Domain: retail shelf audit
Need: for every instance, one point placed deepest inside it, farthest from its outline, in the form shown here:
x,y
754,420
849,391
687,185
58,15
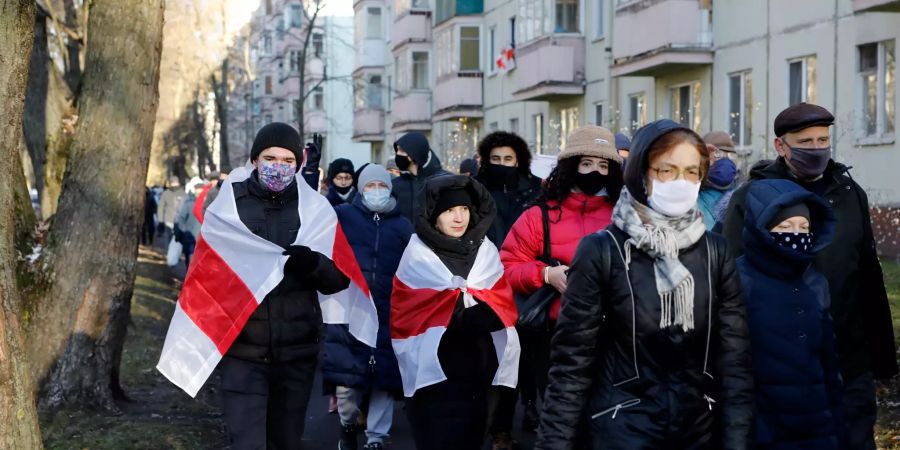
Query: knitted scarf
x,y
662,237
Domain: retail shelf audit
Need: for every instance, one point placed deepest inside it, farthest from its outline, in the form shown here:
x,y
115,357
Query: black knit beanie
x,y
799,209
448,199
278,134
340,165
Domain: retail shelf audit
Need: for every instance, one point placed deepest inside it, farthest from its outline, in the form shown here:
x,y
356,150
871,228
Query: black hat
x,y
469,166
800,116
795,210
450,198
341,165
277,134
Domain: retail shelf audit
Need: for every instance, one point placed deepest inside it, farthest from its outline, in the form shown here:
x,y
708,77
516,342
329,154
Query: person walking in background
x,y
577,200
652,345
187,224
452,317
623,145
391,166
468,167
859,303
361,374
722,180
418,163
167,211
149,227
796,373
340,182
506,174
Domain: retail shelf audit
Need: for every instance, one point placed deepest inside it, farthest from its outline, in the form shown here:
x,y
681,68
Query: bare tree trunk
x,y
221,90
35,123
80,318
18,415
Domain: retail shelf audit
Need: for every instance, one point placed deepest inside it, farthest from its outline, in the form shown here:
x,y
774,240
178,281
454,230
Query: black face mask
x,y
590,183
402,162
342,190
497,175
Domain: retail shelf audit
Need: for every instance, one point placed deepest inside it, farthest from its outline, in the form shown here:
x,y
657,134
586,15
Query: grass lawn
x,y
888,429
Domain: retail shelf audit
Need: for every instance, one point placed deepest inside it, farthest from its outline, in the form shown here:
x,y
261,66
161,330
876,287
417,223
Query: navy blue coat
x,y
378,241
797,380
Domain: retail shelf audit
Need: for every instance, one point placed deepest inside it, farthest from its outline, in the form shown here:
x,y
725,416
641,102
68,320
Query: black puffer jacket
x,y
637,385
407,187
511,195
288,323
859,304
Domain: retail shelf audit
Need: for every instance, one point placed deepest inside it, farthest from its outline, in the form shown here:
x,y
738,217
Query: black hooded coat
x,y
407,187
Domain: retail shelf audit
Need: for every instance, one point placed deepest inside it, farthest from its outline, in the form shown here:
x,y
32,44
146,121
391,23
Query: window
x,y
419,4
598,114
492,49
637,112
599,15
269,119
685,105
373,92
470,49
877,66
512,32
568,121
493,126
400,73
514,126
257,107
318,102
390,94
740,107
268,85
267,44
538,136
373,23
296,15
802,80
318,45
419,70
443,46
566,16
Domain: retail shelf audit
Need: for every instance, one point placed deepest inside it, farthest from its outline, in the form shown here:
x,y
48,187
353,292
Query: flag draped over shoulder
x,y
422,303
233,270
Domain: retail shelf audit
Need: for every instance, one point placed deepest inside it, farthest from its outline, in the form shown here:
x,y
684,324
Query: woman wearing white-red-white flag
x,y
271,265
452,316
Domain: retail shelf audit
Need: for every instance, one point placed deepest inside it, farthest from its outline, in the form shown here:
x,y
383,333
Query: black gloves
x,y
302,260
313,155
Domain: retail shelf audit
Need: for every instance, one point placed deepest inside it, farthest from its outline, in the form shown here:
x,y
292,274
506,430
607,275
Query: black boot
x,y
531,419
348,438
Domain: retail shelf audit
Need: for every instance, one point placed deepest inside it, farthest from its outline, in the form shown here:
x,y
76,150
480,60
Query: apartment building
x,y
265,73
464,68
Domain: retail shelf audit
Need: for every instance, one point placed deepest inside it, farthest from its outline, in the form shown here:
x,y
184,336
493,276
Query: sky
x,y
240,11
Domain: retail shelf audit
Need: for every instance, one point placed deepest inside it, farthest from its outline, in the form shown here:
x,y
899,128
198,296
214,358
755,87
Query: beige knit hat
x,y
591,140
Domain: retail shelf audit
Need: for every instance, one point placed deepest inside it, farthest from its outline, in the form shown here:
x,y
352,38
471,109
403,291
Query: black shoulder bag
x,y
534,309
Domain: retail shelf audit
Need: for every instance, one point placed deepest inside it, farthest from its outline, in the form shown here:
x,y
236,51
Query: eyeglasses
x,y
667,173
720,154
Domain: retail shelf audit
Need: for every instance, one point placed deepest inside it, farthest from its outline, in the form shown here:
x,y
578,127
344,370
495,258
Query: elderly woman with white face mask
x,y
652,344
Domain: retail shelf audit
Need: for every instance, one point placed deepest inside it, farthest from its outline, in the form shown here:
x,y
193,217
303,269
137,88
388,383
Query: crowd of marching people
x,y
645,295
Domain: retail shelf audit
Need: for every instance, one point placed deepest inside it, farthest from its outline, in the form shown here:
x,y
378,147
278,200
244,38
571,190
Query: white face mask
x,y
377,200
674,198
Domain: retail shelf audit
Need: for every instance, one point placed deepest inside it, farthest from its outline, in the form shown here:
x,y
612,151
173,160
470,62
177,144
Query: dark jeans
x,y
265,403
188,242
859,399
450,415
147,231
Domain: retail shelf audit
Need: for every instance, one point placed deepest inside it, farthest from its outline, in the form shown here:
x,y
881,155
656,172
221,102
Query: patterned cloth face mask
x,y
275,176
801,242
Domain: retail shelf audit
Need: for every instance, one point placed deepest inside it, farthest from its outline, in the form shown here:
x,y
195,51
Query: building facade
x,y
264,69
459,69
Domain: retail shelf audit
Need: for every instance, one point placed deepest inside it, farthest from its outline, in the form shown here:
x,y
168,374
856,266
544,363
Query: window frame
x,y
637,113
369,22
537,133
599,18
882,135
804,72
411,70
457,53
744,136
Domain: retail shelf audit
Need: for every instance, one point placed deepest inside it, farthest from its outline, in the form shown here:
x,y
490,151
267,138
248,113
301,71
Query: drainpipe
x,y
835,75
613,81
768,77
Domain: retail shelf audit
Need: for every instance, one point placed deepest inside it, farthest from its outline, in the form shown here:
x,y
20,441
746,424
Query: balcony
x,y
550,67
876,6
458,95
370,53
368,125
412,111
681,38
316,121
448,9
415,26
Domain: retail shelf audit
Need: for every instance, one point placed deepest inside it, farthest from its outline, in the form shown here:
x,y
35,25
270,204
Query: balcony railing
x,y
550,66
412,111
458,95
368,125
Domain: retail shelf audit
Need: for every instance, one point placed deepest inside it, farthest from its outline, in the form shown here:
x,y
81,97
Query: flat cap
x,y
800,116
721,140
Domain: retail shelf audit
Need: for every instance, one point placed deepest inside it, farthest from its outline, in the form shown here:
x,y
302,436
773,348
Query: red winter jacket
x,y
579,216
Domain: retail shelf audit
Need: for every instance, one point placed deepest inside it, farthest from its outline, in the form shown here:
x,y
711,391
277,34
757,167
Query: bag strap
x,y
545,221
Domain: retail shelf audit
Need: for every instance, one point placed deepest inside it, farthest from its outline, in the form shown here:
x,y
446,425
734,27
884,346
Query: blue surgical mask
x,y
377,200
722,173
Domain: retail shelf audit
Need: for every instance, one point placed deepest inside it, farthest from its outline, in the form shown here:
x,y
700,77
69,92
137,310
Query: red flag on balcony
x,y
506,61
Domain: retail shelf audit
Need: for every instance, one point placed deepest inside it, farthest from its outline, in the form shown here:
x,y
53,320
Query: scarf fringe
x,y
677,306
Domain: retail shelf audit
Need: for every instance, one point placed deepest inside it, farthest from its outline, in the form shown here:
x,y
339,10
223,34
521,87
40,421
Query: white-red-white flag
x,y
422,303
233,270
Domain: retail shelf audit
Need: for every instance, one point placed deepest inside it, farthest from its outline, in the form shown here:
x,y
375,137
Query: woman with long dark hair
x,y
578,200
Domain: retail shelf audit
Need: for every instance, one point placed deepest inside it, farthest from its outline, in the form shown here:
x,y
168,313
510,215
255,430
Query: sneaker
x,y
373,446
531,419
503,441
348,438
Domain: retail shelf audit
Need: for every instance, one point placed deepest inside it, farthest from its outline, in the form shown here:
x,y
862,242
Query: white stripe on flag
x,y
188,356
418,349
506,343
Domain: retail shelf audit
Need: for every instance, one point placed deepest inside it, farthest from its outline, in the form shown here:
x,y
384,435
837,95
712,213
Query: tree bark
x,y
75,338
18,415
221,90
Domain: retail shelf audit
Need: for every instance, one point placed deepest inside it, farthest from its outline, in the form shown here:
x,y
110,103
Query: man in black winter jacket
x,y
859,305
267,374
418,163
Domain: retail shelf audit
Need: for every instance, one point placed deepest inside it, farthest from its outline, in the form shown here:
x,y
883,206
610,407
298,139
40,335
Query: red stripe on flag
x,y
413,311
198,204
215,298
345,260
500,299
